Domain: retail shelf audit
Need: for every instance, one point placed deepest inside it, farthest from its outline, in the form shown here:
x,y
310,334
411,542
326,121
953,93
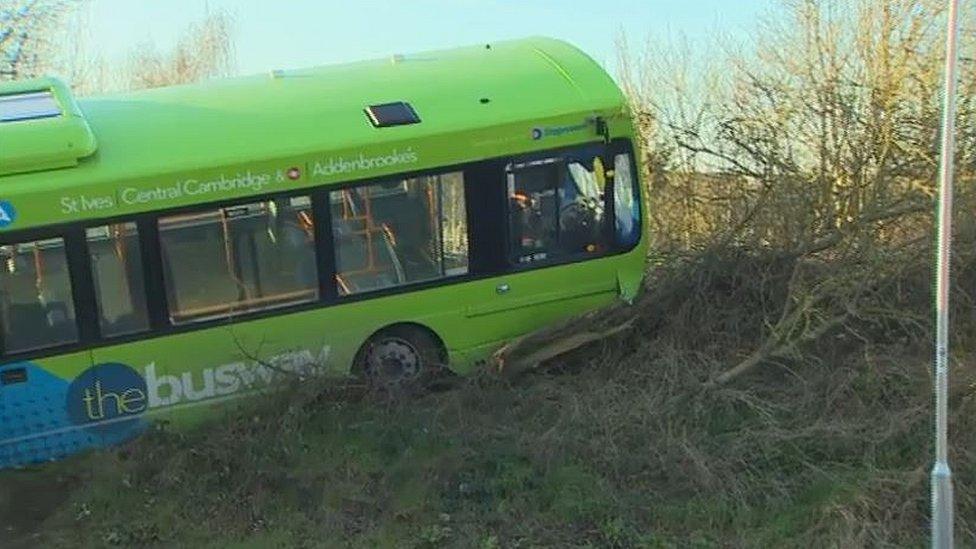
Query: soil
x,y
27,498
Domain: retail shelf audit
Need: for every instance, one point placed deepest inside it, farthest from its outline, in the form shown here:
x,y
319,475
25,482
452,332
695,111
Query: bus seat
x,y
28,328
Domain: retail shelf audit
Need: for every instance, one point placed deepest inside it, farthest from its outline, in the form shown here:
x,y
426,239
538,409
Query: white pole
x,y
941,474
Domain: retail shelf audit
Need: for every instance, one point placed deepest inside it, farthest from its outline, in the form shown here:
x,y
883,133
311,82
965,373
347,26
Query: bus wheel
x,y
400,357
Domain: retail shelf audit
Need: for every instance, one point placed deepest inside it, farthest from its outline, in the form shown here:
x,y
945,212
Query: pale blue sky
x,y
273,34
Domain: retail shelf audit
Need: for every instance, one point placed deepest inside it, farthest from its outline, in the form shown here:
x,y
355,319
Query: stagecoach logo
x,y
337,165
8,214
108,396
556,131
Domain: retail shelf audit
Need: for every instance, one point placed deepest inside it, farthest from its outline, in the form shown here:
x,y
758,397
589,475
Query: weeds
x,y
773,391
619,445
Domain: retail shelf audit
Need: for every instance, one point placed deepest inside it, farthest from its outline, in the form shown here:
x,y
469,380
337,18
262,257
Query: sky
x,y
283,34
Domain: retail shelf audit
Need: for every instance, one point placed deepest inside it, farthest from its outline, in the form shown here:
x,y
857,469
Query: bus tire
x,y
400,357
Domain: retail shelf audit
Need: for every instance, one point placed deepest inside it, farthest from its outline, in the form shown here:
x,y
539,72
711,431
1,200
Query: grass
x,y
619,445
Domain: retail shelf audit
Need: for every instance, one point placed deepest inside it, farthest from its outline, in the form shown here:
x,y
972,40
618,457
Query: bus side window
x,y
556,209
399,232
533,205
255,257
36,304
117,273
626,202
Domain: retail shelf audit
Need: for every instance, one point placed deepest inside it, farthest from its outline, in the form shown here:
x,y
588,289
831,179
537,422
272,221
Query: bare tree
x,y
828,126
34,34
26,30
817,143
205,50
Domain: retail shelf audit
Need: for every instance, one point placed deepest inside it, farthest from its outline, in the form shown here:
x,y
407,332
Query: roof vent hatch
x,y
384,115
41,127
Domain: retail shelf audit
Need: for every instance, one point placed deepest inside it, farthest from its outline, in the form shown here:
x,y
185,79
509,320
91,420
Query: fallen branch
x,y
775,348
528,352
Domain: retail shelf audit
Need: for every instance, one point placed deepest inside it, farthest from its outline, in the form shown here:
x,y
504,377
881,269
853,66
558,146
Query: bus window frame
x,y
608,151
614,148
465,170
82,288
488,258
162,312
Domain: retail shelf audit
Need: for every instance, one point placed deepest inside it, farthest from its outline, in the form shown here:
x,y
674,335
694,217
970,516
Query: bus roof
x,y
155,135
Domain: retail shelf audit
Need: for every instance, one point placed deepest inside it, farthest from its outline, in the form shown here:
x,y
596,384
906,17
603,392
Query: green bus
x,y
163,251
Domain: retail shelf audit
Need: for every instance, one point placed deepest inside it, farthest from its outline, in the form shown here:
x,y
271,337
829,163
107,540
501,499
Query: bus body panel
x,y
82,400
167,150
35,423
156,146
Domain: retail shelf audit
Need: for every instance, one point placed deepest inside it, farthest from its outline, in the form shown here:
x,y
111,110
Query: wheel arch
x,y
357,362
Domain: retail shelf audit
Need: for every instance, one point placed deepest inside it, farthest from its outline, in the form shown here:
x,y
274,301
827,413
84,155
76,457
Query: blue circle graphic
x,y
106,398
536,133
8,214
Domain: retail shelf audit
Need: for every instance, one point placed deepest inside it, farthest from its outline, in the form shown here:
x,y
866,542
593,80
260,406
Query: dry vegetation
x,y
819,149
773,390
41,37
27,42
205,50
